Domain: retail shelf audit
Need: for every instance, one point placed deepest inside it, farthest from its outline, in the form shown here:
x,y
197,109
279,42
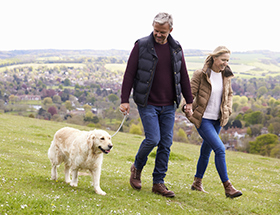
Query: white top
x,y
212,110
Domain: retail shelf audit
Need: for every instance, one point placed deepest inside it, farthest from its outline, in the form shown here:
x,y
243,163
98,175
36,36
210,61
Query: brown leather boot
x,y
197,185
161,189
135,178
230,191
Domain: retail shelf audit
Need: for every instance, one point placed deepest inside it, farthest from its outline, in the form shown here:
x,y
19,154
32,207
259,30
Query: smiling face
x,y
100,140
161,32
220,62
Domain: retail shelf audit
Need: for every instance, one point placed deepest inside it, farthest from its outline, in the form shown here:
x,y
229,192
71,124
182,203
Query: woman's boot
x,y
230,191
197,185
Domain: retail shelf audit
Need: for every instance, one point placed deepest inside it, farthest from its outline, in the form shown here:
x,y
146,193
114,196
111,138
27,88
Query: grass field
x,y
26,188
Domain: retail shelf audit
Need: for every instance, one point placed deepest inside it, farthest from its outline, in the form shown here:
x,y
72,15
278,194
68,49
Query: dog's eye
x,y
102,138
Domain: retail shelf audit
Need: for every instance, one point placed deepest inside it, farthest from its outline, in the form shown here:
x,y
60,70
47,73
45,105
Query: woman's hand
x,y
187,109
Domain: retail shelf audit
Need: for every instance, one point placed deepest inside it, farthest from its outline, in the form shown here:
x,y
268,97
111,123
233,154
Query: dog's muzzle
x,y
106,151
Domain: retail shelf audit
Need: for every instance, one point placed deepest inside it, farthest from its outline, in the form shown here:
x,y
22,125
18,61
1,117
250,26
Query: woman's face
x,y
221,62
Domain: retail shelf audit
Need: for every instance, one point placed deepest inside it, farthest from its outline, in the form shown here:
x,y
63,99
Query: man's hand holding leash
x,y
125,108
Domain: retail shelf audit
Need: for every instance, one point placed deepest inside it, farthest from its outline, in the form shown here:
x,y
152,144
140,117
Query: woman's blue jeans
x,y
209,131
158,122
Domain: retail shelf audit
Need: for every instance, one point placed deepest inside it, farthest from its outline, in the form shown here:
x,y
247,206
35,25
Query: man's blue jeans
x,y
158,122
209,131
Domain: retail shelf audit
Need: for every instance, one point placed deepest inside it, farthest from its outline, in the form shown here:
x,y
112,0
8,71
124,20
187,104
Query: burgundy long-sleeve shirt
x,y
163,89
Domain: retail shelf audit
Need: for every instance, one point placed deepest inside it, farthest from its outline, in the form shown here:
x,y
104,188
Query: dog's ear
x,y
90,139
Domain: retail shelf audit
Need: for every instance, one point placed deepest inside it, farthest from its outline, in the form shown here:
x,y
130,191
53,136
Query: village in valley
x,y
84,88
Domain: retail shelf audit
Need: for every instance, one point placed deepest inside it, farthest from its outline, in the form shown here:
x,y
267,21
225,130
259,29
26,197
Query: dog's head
x,y
99,140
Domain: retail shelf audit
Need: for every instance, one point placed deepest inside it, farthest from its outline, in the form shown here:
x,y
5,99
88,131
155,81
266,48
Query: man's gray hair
x,y
163,18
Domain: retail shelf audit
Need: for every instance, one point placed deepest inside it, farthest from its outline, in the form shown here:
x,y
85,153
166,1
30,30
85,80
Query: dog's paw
x,y
100,192
73,184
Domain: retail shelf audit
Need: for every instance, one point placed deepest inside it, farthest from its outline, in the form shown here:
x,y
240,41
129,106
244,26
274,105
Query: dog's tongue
x,y
107,151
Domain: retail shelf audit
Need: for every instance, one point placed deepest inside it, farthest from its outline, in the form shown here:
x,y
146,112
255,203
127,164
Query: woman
x,y
212,105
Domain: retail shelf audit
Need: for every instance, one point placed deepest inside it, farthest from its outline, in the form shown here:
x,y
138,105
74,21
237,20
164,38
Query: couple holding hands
x,y
156,71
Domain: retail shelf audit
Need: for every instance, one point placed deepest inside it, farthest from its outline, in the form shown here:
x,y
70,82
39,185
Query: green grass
x,y
26,188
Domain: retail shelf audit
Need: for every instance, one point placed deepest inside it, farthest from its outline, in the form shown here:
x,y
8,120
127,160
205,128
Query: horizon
x,y
112,49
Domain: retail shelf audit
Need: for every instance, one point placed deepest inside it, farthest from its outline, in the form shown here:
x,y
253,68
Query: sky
x,y
241,25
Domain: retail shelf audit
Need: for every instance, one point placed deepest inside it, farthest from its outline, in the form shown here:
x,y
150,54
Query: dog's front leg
x,y
95,174
74,181
54,172
67,173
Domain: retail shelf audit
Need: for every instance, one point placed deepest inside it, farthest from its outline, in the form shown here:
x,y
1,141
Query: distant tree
x,y
243,100
249,131
225,137
51,93
235,106
256,129
275,152
44,93
276,91
274,128
135,129
264,144
236,123
87,108
251,89
56,99
41,111
262,90
239,117
270,128
95,119
68,105
67,82
90,99
78,93
64,95
98,91
52,110
182,136
88,116
82,99
113,97
253,118
271,101
13,98
47,101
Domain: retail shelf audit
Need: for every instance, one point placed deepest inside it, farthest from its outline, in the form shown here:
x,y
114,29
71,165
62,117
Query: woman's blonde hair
x,y
216,53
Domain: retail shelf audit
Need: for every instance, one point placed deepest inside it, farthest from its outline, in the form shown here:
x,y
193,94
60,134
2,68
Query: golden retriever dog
x,y
79,150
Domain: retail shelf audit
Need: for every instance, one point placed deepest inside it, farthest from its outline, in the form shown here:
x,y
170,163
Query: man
x,y
156,70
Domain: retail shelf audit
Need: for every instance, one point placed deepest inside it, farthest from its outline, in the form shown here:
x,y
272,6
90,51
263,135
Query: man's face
x,y
161,32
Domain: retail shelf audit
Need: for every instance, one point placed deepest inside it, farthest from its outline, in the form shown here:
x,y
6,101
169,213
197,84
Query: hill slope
x,y
26,187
